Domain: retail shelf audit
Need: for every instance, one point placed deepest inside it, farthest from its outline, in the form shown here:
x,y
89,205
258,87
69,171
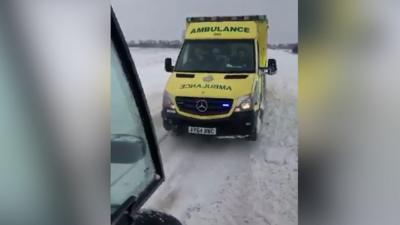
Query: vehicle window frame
x,y
118,40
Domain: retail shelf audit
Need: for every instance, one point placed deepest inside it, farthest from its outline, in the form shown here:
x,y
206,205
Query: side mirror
x,y
168,65
263,70
272,68
126,149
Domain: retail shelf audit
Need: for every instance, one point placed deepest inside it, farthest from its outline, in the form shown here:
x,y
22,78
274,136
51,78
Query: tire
x,y
149,217
256,128
166,125
177,131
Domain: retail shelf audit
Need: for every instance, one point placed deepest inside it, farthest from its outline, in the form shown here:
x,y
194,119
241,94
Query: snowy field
x,y
228,182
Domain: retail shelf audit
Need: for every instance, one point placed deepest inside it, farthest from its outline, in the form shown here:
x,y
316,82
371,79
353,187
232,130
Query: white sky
x,y
165,19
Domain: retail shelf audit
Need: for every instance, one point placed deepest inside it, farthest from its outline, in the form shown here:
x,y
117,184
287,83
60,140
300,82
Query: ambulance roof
x,y
226,27
227,18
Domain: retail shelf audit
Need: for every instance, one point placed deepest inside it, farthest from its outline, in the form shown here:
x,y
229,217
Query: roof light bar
x,y
227,18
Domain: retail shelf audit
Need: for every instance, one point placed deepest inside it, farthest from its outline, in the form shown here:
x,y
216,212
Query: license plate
x,y
202,130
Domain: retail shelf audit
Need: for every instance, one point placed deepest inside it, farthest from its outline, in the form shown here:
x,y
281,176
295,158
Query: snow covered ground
x,y
228,182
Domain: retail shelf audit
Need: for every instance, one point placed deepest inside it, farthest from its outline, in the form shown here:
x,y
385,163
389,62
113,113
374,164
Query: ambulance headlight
x,y
168,101
244,103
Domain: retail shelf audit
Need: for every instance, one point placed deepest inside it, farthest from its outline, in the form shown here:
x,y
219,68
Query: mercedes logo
x,y
201,106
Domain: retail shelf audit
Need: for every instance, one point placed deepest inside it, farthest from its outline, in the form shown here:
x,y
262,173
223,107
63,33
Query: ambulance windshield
x,y
218,56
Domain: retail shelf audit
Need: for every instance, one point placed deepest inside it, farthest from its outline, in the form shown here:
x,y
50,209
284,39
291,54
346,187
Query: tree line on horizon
x,y
178,44
156,43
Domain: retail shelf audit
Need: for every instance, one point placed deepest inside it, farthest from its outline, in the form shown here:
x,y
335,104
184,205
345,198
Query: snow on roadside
x,y
149,64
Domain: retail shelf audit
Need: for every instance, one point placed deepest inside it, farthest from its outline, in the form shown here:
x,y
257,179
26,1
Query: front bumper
x,y
238,124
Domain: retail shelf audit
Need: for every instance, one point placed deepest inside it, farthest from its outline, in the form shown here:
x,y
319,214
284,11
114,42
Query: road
x,y
224,181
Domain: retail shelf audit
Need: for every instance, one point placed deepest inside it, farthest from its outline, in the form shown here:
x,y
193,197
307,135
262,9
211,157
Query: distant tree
x,y
295,49
132,44
156,43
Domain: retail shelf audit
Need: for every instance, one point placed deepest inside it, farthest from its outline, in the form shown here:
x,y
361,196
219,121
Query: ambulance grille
x,y
181,75
234,77
195,106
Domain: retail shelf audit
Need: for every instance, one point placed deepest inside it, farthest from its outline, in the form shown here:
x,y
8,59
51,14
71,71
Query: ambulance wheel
x,y
167,126
256,128
177,132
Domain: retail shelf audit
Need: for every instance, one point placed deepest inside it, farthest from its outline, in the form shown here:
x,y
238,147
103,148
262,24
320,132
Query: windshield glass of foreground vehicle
x,y
220,56
132,168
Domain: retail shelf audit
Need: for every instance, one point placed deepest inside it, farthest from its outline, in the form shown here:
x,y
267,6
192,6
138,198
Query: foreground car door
x,y
136,169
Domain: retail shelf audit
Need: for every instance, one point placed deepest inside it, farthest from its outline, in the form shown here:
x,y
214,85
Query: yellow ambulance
x,y
217,85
